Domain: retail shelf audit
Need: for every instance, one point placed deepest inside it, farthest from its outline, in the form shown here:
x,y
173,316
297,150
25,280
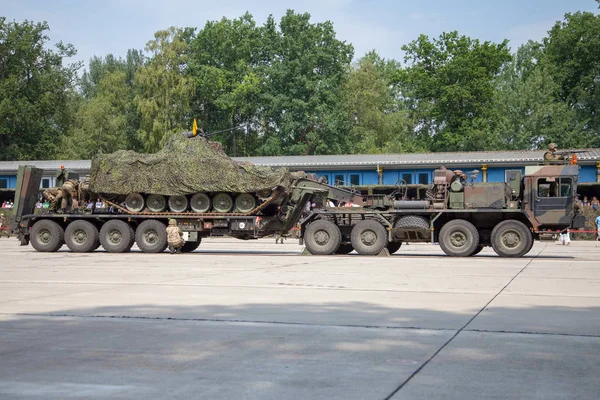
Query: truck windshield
x,y
548,187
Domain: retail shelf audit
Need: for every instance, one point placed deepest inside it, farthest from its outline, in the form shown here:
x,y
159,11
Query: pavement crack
x,y
232,321
422,366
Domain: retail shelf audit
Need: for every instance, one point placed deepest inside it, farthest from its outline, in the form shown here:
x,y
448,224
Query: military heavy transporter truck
x,y
462,216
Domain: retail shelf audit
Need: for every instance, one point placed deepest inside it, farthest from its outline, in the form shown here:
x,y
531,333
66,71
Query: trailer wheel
x,y
511,238
188,247
322,237
345,248
116,236
82,236
151,236
369,237
393,247
47,236
459,238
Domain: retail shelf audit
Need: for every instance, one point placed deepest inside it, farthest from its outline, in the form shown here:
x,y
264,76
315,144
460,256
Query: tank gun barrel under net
x,y
190,134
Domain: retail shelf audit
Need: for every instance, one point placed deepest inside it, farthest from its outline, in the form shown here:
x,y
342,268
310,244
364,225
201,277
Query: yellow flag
x,y
194,128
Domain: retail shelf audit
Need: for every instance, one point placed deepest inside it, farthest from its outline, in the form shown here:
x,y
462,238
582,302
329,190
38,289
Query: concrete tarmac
x,y
257,320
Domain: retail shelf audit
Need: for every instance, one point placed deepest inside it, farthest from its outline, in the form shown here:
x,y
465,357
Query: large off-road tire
x,y
82,236
116,236
412,221
511,238
345,248
393,247
151,236
188,247
322,237
369,237
459,238
47,236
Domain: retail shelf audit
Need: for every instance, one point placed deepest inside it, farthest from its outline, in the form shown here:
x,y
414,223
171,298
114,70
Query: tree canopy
x,y
291,86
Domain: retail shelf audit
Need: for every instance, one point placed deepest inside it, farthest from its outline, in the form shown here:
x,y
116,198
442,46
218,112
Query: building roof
x,y
415,159
355,161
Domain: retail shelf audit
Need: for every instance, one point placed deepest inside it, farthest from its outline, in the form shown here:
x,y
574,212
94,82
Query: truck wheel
x,y
511,238
116,236
369,237
322,237
82,236
459,238
47,236
393,247
151,236
188,247
345,248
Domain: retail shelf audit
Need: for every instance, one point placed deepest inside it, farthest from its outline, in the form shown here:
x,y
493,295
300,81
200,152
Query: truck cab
x,y
549,196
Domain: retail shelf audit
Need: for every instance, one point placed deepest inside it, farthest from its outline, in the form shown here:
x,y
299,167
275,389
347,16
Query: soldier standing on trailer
x,y
69,189
174,237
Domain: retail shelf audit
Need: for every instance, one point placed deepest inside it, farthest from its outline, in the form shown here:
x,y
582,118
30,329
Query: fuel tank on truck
x,y
187,174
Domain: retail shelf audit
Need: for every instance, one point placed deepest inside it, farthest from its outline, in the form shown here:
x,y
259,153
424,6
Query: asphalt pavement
x,y
257,320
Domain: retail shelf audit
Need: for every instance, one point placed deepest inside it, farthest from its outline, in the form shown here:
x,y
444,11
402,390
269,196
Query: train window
x,y
3,183
407,178
45,183
338,180
355,179
423,178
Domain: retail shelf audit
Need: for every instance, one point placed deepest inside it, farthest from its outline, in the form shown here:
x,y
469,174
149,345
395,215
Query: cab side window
x,y
547,187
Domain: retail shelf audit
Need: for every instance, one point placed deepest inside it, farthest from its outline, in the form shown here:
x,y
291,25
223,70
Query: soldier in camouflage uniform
x,y
4,224
69,190
83,191
53,195
174,237
551,155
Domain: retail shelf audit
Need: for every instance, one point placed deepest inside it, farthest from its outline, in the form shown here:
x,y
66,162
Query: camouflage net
x,y
183,166
590,224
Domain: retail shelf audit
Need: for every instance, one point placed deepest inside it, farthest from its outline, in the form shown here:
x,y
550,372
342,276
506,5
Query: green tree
x,y
380,124
449,85
223,63
107,118
572,56
304,68
530,115
101,123
36,90
164,90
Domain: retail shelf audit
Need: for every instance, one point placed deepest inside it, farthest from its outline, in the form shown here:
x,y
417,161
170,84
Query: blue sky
x,y
113,26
